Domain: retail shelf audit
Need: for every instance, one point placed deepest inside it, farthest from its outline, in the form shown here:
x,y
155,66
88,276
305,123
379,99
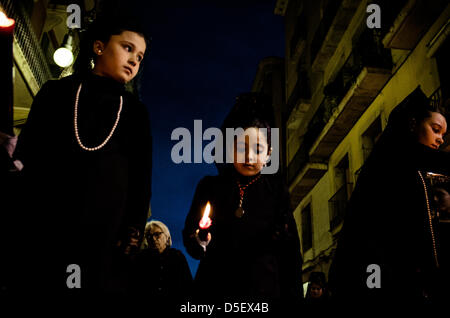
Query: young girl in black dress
x,y
86,151
252,250
388,221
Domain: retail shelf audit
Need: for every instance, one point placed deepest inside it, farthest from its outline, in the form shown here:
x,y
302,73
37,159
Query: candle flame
x,y
5,21
205,222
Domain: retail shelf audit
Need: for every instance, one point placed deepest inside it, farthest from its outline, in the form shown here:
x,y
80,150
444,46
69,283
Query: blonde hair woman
x,y
161,271
157,236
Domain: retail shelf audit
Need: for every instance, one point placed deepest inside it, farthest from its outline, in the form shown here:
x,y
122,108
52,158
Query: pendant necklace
x,y
75,124
240,211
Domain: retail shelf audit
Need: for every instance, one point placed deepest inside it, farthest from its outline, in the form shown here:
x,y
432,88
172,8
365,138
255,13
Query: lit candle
x,y
205,223
6,65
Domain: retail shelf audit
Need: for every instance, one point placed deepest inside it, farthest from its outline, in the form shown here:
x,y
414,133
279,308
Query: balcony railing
x,y
358,82
297,38
436,98
356,85
27,41
324,26
298,162
337,206
301,157
301,90
337,16
411,22
367,52
390,11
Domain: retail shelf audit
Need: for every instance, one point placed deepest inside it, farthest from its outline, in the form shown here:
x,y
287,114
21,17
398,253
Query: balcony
x,y
313,130
412,22
300,98
308,177
28,54
303,174
336,18
436,98
298,40
359,81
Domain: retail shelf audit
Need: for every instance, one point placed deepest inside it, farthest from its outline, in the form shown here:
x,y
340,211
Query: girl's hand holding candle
x,y
202,234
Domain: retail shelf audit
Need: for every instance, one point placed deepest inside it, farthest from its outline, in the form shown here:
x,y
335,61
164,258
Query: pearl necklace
x,y
75,119
430,219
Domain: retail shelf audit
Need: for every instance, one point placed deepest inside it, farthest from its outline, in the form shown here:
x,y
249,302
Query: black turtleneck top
x,y
82,202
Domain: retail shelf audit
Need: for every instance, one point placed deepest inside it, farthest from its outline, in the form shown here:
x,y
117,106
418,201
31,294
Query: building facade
x,y
344,74
41,26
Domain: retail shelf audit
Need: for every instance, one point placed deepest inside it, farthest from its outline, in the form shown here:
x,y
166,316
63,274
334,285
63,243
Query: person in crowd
x,y
86,155
317,292
252,249
442,198
388,247
161,272
441,205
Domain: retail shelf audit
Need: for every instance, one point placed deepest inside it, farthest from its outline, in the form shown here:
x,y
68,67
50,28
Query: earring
x,y
268,159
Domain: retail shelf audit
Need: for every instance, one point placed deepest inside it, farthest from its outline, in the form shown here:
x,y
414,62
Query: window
x,y
443,67
338,202
342,174
370,137
442,95
306,228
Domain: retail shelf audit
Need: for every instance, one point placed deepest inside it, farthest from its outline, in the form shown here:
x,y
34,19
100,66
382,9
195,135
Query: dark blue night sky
x,y
203,54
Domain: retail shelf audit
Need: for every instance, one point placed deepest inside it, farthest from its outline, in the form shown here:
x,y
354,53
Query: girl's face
x,y
251,152
430,132
120,57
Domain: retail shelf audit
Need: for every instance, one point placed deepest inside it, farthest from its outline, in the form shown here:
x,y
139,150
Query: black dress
x,y
162,276
256,256
387,224
79,204
8,188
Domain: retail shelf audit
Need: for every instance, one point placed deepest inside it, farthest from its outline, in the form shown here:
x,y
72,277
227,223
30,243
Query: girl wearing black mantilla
x,y
252,250
86,151
388,227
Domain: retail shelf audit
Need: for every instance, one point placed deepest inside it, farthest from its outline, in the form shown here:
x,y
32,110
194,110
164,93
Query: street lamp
x,y
6,68
5,22
63,56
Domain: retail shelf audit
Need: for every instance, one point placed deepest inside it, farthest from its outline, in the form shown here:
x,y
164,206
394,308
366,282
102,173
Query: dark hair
x,y
251,110
319,279
415,108
102,29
